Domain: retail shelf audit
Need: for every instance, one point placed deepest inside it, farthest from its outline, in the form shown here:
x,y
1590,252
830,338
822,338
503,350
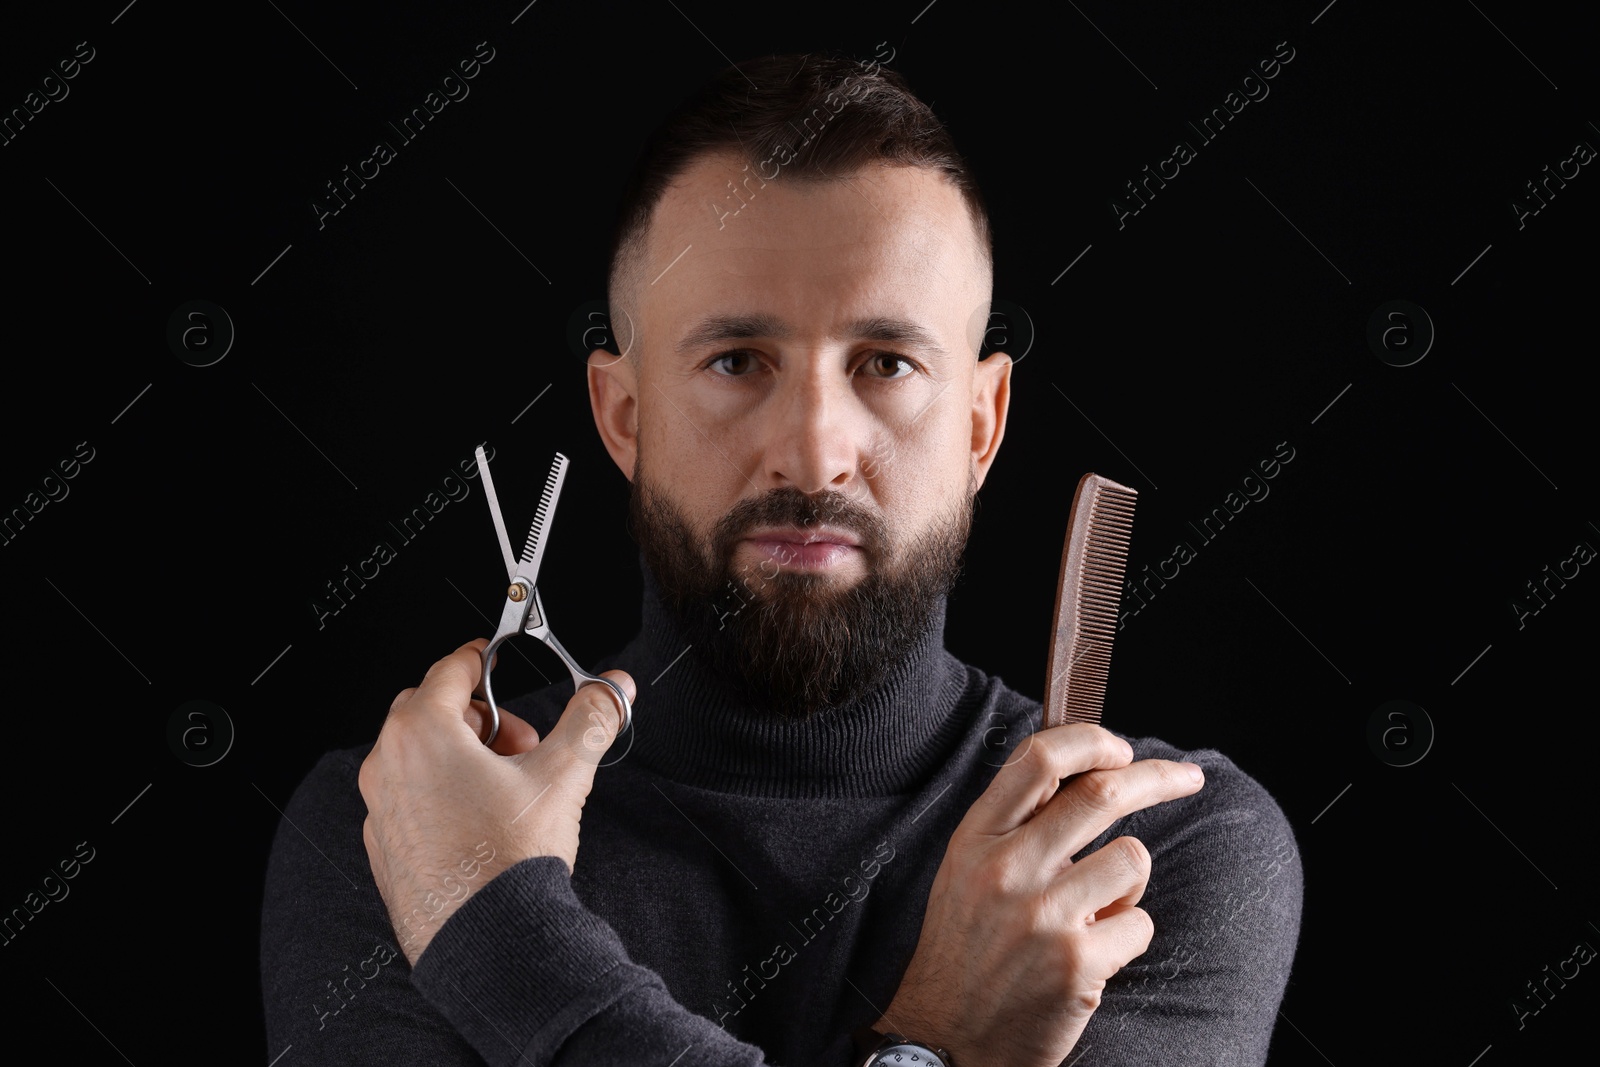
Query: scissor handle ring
x,y
579,680
627,706
488,690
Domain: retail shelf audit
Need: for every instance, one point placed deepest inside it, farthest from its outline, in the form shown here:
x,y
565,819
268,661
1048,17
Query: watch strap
x,y
869,1042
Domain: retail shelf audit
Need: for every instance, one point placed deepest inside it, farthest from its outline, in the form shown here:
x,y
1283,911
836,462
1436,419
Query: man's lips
x,y
795,536
816,547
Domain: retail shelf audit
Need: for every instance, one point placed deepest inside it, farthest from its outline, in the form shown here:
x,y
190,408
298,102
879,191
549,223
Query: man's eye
x,y
894,366
739,363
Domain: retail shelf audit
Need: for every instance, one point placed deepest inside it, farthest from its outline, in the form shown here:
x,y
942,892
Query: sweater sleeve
x,y
1225,895
522,973
335,987
527,974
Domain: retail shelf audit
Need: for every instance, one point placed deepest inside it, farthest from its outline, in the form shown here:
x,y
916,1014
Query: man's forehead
x,y
885,243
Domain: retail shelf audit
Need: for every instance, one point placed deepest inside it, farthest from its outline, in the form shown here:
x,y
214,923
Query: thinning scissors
x,y
523,611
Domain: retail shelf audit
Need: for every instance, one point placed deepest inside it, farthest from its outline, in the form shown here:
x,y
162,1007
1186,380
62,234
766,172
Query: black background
x,y
1178,351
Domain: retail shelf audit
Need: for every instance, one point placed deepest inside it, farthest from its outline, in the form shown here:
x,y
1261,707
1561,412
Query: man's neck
x,y
693,726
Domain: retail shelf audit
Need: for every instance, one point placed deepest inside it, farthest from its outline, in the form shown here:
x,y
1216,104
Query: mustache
x,y
791,507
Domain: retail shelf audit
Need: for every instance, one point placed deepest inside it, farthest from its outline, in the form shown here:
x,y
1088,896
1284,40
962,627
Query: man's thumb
x,y
592,718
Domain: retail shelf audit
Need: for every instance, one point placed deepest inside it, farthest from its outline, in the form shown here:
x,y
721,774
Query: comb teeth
x,y
541,517
1088,599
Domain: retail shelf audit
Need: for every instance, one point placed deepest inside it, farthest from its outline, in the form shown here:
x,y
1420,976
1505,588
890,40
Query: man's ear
x,y
991,400
614,397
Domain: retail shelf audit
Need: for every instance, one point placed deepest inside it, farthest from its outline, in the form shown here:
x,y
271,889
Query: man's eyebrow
x,y
894,331
720,328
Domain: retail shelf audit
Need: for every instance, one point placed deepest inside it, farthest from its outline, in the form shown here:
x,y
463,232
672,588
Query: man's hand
x,y
446,814
1018,941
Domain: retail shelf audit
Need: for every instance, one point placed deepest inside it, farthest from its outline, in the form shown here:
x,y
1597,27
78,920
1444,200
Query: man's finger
x,y
516,734
1116,874
456,674
1120,938
1025,785
1086,806
592,718
446,690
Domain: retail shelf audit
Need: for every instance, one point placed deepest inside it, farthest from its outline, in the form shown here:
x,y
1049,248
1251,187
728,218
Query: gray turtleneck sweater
x,y
749,891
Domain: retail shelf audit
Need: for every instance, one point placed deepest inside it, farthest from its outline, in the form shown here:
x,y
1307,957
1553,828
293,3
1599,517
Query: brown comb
x,y
1088,595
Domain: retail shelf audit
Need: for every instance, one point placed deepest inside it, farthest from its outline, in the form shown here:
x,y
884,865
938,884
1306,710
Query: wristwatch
x,y
878,1049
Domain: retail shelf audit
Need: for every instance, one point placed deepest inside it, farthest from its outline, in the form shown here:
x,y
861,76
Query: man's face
x,y
805,421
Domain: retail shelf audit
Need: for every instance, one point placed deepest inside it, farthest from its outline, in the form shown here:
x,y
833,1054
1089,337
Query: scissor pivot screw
x,y
517,593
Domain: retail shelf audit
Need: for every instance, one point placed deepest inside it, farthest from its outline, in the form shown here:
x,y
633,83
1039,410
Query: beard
x,y
793,643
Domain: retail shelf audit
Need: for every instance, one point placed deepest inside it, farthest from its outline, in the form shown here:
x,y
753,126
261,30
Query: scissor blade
x,y
494,513
533,551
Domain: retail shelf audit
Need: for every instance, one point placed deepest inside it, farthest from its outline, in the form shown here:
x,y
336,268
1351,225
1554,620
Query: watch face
x,y
906,1054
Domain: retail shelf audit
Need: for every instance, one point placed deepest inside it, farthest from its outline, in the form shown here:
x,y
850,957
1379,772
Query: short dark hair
x,y
761,107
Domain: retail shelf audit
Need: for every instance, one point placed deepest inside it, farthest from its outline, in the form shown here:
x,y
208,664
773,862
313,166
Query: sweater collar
x,y
688,725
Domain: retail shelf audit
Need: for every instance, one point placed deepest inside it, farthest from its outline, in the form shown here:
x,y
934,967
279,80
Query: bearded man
x,y
808,847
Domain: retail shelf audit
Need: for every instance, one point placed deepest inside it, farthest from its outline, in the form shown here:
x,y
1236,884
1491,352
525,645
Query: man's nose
x,y
811,437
